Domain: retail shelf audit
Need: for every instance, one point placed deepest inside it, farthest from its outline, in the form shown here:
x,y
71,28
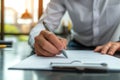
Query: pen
x,y
3,46
47,28
102,64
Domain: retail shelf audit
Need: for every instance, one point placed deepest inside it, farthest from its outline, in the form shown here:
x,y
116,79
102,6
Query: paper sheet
x,y
43,63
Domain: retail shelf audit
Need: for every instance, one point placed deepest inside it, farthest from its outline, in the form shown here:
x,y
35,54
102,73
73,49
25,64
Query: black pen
x,y
47,28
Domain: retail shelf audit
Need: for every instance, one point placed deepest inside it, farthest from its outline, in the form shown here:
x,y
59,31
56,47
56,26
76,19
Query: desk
x,y
8,57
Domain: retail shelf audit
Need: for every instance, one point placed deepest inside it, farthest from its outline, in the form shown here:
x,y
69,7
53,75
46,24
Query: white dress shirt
x,y
94,21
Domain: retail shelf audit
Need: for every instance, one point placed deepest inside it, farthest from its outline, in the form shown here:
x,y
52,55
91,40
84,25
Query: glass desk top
x,y
18,53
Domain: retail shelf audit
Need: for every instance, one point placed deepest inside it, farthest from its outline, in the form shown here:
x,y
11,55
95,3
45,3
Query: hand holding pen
x,y
48,44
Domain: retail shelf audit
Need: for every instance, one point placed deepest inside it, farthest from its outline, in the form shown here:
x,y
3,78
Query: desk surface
x,y
18,53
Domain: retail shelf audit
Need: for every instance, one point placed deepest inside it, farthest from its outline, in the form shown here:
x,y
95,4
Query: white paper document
x,y
75,58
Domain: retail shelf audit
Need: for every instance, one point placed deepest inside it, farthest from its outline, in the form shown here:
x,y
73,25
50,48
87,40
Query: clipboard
x,y
77,60
77,65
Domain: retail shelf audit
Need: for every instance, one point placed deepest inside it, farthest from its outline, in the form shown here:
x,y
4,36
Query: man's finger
x,y
53,39
98,49
113,49
105,49
43,52
44,44
36,50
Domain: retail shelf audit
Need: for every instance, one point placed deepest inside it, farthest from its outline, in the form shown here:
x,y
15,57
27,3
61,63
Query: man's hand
x,y
48,44
109,48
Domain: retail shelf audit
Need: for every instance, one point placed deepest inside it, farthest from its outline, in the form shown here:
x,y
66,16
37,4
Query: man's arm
x,y
51,17
44,42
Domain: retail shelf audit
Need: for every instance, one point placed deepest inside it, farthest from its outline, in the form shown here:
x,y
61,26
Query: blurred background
x,y
18,17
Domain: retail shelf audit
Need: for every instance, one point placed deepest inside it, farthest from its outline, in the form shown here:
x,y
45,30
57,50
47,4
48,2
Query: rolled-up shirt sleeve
x,y
51,17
